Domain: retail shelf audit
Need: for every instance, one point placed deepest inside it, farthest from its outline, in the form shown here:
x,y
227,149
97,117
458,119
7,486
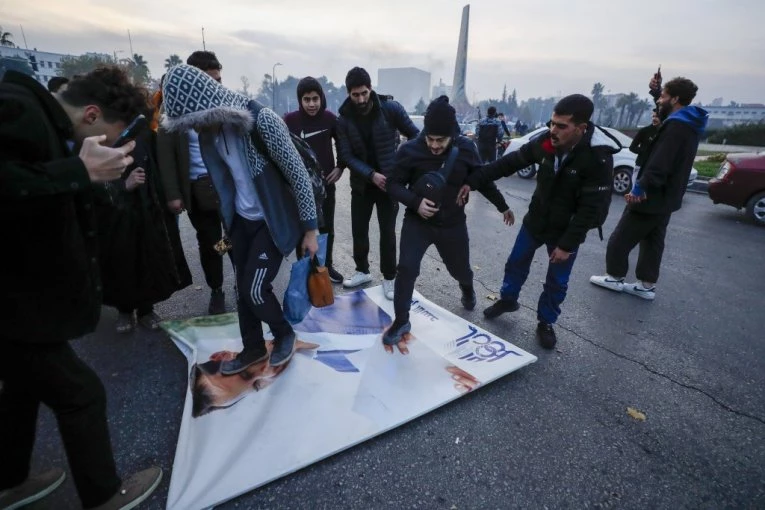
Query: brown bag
x,y
205,196
319,285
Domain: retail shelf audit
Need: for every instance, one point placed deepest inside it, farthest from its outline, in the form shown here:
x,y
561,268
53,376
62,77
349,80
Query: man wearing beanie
x,y
368,134
318,127
488,134
439,146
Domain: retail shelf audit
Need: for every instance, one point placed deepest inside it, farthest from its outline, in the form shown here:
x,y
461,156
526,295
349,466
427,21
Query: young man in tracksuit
x,y
426,222
657,193
318,127
266,199
368,135
488,134
575,169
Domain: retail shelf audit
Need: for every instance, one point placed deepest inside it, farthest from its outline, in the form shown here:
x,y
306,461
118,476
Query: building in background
x,y
442,89
407,85
44,64
734,115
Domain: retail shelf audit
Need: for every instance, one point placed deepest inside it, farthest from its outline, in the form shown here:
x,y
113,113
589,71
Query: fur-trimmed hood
x,y
193,99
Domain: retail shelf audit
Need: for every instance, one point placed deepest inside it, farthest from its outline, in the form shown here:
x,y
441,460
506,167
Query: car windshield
x,y
625,140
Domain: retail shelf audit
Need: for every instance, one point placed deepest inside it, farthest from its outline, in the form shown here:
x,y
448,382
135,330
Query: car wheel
x,y
622,180
755,208
527,173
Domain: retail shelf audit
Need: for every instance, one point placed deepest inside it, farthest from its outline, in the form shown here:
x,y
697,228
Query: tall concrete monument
x,y
458,97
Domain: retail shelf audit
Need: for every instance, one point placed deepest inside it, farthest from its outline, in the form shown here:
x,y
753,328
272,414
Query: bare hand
x,y
105,163
427,208
136,178
508,217
557,256
464,382
379,180
176,206
655,83
463,195
334,175
310,242
401,346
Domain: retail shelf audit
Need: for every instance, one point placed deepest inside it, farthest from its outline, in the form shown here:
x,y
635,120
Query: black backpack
x,y
431,185
604,192
487,134
310,161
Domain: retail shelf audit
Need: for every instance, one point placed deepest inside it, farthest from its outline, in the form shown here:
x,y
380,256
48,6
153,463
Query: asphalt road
x,y
553,435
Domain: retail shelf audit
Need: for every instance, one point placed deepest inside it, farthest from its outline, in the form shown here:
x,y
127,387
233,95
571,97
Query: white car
x,y
624,160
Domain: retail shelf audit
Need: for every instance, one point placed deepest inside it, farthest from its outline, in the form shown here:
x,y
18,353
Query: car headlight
x,y
724,169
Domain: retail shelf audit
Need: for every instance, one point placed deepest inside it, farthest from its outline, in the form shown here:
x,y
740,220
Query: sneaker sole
x,y
641,295
40,495
143,497
245,367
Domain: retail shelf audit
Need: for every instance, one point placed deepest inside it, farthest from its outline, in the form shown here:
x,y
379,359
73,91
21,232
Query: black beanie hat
x,y
440,118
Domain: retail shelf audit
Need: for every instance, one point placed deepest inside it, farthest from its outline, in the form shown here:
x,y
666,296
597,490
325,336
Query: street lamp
x,y
115,55
273,86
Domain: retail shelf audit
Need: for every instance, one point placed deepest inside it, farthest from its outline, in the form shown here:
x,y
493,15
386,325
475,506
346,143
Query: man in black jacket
x,y
51,291
427,222
657,193
368,136
573,185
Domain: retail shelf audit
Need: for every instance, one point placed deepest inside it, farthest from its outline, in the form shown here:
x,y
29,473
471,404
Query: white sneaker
x,y
637,289
388,287
608,282
357,279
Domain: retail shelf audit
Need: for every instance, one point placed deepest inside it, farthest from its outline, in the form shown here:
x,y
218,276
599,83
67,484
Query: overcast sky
x,y
539,48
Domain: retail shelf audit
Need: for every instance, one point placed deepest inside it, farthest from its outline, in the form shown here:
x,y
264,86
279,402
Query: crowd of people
x,y
93,223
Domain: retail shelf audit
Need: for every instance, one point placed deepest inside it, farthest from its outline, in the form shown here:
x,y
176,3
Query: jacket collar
x,y
55,112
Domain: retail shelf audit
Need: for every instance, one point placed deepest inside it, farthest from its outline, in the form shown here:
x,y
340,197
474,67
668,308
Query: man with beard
x,y
657,193
427,222
368,135
575,171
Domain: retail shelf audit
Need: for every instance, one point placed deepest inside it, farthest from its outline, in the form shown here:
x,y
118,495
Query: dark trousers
x,y
517,270
53,375
256,262
328,208
634,228
417,235
361,212
209,231
488,153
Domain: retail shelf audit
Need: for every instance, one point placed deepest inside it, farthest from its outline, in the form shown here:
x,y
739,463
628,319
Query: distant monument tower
x,y
459,98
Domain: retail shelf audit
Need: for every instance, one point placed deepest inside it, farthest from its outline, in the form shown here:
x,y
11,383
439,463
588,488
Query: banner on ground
x,y
340,389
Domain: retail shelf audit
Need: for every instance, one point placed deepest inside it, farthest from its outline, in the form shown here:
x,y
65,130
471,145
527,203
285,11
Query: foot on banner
x,y
357,279
283,350
389,287
394,334
134,491
33,489
243,360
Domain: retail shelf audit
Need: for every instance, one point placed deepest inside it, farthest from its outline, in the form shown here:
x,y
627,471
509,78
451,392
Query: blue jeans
x,y
517,270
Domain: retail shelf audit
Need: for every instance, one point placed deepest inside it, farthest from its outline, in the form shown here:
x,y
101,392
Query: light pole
x,y
273,86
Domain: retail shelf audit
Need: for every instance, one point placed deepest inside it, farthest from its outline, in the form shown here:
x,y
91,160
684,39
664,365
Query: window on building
x,y
50,64
58,65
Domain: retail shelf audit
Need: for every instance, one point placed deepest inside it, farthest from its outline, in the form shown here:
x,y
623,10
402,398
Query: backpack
x,y
487,132
310,162
605,193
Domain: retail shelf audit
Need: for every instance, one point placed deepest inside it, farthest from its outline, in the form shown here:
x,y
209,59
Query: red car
x,y
741,183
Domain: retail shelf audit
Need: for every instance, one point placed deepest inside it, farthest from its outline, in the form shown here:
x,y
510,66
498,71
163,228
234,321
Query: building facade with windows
x,y
44,64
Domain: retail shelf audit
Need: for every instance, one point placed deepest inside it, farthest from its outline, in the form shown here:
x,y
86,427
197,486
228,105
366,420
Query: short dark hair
x,y
681,88
580,107
492,111
357,77
110,88
56,83
204,60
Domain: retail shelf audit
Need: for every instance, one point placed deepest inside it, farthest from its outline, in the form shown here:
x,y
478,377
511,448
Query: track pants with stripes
x,y
256,262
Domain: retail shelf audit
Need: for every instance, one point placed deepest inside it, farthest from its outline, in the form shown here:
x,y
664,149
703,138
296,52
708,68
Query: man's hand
x,y
136,178
176,206
105,163
508,217
401,346
557,256
654,84
634,199
463,195
427,208
379,180
310,242
334,175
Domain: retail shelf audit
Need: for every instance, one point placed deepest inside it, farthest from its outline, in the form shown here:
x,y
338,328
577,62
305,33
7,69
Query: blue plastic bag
x,y
296,302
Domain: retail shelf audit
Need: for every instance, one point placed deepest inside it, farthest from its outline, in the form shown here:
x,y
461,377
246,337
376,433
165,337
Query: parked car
x,y
624,160
741,183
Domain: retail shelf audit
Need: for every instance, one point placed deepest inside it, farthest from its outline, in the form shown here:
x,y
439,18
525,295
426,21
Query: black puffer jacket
x,y
414,159
390,118
51,290
560,212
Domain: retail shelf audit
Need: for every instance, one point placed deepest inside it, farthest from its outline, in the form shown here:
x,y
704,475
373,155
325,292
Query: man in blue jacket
x,y
368,135
657,193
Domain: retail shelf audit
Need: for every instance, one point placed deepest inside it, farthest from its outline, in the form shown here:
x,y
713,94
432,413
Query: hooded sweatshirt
x,y
317,130
664,176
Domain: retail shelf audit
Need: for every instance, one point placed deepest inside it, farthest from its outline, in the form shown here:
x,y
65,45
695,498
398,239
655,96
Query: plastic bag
x,y
297,302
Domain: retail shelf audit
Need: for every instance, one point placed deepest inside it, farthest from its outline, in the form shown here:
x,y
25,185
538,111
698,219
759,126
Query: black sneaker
x,y
334,276
34,488
546,335
499,307
217,304
283,350
468,297
243,360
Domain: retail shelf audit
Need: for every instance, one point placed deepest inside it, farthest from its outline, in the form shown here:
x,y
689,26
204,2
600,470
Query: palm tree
x,y
622,103
5,39
139,69
598,100
173,60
